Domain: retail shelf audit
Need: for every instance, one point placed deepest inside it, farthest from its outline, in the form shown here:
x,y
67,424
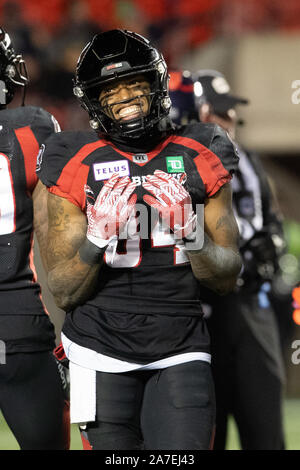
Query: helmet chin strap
x,y
23,95
131,128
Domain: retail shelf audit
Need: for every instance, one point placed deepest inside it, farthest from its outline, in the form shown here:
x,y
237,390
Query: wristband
x,y
91,254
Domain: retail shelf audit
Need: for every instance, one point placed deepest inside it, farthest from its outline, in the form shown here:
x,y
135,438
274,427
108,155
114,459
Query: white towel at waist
x,y
82,394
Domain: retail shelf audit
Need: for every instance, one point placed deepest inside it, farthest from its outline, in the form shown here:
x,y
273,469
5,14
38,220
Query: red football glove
x,y
111,211
172,201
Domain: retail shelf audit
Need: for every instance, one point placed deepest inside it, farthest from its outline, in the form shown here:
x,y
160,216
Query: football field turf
x,y
291,421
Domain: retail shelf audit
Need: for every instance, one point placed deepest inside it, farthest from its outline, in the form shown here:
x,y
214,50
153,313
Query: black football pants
x,y
247,384
32,401
172,408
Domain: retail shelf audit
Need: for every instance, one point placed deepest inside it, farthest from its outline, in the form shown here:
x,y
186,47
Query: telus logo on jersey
x,y
103,171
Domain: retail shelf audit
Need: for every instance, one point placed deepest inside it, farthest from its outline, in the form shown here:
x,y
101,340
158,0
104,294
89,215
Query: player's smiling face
x,y
126,99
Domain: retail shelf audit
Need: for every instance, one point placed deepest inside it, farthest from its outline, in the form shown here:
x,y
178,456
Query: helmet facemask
x,y
13,72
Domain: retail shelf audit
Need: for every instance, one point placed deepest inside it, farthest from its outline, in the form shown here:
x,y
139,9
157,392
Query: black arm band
x,y
90,253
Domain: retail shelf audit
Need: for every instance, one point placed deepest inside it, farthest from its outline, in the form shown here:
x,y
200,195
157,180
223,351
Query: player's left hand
x,y
173,202
112,209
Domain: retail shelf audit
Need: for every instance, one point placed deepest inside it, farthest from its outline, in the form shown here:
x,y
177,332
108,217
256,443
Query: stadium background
x,y
255,43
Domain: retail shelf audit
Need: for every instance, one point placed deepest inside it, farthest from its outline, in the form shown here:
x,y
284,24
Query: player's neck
x,y
143,144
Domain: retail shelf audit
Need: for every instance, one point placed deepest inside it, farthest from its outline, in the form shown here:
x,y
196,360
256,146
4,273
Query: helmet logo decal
x,y
114,66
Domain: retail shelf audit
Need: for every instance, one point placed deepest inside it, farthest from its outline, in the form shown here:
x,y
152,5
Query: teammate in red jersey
x,y
126,253
31,389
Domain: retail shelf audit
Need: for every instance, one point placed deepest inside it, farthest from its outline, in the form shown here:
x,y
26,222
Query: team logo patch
x,y
140,158
39,158
103,171
175,164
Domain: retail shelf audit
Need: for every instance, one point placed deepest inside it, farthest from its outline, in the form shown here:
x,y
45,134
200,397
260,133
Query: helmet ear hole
x,y
166,103
11,71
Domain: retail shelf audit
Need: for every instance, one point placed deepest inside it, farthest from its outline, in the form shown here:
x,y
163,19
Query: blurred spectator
x,y
181,90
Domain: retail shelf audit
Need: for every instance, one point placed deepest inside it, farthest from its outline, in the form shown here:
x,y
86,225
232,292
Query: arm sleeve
x,y
217,161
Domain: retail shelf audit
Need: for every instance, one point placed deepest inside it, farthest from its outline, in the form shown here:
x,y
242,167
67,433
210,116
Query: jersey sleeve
x,y
217,156
60,168
32,125
43,124
223,160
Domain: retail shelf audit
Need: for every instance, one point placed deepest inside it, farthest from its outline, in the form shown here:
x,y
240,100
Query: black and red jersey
x,y
22,131
146,276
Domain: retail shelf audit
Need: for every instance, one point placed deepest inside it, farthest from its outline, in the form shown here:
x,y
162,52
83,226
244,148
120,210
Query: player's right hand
x,y
172,201
111,210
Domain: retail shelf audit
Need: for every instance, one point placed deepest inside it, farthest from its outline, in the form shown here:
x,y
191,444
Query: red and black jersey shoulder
x,y
62,164
21,132
214,153
31,126
38,120
70,159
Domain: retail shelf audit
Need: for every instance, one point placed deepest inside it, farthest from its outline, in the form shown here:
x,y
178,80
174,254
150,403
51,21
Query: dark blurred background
x,y
254,43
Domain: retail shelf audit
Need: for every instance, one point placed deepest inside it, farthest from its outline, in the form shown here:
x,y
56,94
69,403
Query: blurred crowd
x,y
52,34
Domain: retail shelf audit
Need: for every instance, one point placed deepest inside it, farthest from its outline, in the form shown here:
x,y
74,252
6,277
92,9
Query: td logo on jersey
x,y
175,164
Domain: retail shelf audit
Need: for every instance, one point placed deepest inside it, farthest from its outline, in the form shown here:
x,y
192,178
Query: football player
x,y
247,359
31,389
127,254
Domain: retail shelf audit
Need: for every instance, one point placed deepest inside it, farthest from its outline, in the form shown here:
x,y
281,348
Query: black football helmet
x,y
13,72
181,91
114,55
211,87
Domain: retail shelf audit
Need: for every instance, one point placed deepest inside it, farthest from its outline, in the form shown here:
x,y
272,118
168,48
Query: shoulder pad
x,y
226,149
57,151
40,121
60,159
217,140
